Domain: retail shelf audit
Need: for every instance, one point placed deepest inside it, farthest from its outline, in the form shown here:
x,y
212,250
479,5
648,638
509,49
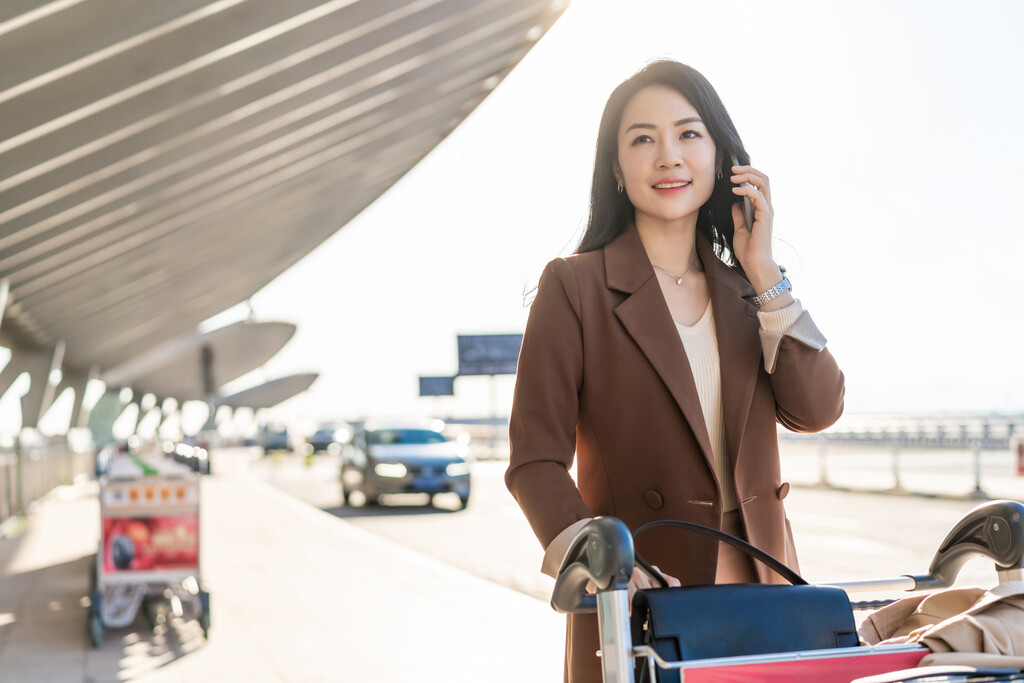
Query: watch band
x,y
764,297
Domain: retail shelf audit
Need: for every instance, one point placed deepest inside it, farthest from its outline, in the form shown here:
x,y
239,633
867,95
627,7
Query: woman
x,y
663,352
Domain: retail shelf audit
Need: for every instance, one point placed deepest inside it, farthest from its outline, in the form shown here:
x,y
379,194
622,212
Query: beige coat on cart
x,y
603,375
969,626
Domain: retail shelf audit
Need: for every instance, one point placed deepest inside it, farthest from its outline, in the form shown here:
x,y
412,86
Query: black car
x,y
386,458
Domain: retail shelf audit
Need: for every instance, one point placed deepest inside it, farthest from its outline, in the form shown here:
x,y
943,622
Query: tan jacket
x,y
958,620
603,375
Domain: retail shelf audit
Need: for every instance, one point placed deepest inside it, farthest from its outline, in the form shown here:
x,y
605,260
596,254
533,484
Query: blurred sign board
x,y
437,386
489,354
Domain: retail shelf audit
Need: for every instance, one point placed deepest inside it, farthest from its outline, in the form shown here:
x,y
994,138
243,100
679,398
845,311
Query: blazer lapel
x,y
739,345
646,317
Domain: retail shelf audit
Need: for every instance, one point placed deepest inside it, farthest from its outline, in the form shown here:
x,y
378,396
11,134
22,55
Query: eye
x,y
690,135
642,138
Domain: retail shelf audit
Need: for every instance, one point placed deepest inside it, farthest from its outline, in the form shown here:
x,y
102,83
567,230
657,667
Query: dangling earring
x,y
719,174
620,188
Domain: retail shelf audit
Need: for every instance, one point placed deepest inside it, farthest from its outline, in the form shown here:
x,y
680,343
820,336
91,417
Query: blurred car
x,y
196,457
275,438
328,438
393,457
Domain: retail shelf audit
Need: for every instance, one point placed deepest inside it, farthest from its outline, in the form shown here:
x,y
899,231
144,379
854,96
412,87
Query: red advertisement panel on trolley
x,y
150,542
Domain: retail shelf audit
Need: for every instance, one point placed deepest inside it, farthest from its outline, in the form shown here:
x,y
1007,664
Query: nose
x,y
669,156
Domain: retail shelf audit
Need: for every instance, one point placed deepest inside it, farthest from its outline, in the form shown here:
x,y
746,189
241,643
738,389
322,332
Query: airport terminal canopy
x,y
163,161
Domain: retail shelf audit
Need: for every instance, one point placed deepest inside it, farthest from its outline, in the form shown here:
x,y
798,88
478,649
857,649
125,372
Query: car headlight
x,y
390,469
457,469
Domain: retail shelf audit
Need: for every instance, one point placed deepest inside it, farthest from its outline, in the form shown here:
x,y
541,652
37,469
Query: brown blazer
x,y
602,374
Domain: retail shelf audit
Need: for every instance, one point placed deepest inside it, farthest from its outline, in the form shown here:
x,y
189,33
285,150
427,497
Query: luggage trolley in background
x,y
602,552
149,545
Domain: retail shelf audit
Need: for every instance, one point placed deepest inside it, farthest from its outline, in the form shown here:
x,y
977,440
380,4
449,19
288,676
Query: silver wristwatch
x,y
764,297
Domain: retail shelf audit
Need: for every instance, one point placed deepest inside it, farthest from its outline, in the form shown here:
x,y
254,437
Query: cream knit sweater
x,y
701,347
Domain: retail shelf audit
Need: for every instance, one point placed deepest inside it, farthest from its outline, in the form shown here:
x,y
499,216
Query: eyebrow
x,y
680,122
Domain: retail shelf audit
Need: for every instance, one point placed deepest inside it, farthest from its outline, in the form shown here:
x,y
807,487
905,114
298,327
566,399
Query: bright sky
x,y
890,131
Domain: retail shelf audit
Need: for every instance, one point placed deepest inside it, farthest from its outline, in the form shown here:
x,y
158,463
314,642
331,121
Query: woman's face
x,y
666,157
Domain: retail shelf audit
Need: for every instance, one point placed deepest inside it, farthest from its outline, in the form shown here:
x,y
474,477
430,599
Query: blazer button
x,y
653,499
783,490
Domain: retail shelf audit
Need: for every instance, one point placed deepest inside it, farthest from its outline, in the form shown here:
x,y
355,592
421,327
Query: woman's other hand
x,y
641,581
753,248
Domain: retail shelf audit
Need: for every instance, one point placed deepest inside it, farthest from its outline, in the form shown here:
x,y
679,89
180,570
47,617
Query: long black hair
x,y
611,210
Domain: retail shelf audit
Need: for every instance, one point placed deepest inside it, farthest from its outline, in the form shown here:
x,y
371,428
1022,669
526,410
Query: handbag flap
x,y
702,622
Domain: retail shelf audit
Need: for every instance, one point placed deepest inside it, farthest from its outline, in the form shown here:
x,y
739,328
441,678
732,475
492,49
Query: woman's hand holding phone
x,y
752,243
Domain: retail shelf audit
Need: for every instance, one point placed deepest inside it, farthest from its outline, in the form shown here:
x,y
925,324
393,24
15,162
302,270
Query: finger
x,y
751,171
739,221
756,197
752,190
748,174
671,580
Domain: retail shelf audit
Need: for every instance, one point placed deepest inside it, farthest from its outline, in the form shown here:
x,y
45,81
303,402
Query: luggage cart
x,y
149,545
602,552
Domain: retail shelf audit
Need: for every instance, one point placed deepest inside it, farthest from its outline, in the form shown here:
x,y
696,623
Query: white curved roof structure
x,y
163,161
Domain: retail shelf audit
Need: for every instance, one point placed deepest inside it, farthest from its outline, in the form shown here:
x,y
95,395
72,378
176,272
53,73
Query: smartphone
x,y
748,210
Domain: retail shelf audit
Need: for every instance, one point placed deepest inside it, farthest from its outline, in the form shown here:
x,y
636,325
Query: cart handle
x,y
994,530
602,552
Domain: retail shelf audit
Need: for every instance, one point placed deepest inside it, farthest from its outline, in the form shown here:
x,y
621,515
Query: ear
x,y
617,172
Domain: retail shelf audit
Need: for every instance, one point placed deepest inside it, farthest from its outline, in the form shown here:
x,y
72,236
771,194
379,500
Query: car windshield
x,y
413,436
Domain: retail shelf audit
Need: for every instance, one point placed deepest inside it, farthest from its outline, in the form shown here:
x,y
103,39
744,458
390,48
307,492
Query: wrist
x,y
778,294
778,303
765,276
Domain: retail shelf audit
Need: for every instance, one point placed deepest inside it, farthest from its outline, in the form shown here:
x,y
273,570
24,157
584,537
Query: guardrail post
x,y
19,477
822,464
977,493
896,484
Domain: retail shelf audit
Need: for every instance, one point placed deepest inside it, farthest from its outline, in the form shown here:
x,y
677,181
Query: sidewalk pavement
x,y
296,595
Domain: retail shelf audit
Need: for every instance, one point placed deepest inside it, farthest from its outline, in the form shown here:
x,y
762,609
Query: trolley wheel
x,y
152,612
94,620
204,617
96,630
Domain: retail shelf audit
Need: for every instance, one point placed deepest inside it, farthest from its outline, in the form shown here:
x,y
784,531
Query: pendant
x,y
679,281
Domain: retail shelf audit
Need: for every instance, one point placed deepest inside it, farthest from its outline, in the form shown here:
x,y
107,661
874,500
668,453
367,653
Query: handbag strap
x,y
738,543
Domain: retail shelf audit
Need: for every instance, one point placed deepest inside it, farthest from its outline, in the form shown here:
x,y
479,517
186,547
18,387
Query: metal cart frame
x,y
602,552
164,505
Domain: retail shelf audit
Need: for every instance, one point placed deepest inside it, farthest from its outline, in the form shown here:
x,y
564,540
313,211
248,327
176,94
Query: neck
x,y
671,245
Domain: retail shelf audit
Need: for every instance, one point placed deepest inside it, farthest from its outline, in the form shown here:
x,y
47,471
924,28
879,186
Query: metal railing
x,y
903,435
29,472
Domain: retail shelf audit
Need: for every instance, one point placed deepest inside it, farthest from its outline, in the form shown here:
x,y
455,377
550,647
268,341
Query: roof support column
x,y
103,415
78,382
5,294
39,365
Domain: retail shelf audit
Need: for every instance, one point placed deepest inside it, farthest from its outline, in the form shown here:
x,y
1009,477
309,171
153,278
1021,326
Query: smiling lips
x,y
671,185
